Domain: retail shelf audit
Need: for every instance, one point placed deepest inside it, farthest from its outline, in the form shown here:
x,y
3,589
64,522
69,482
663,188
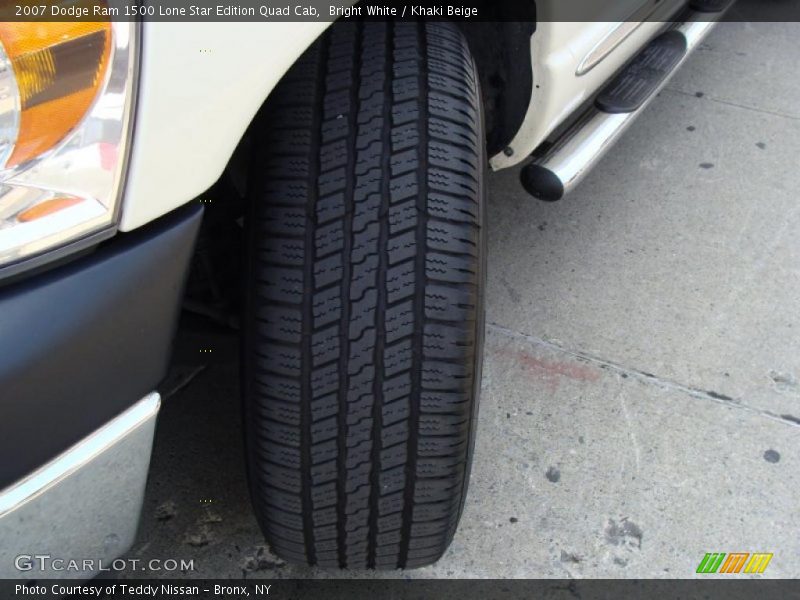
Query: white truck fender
x,y
200,86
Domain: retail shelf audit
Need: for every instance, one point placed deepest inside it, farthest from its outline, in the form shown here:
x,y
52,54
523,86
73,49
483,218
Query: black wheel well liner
x,y
502,53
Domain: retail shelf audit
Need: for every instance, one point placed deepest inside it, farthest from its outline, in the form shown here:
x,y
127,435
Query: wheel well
x,y
501,49
502,53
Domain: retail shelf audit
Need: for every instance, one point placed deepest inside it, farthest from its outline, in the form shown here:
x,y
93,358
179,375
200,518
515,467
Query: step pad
x,y
629,90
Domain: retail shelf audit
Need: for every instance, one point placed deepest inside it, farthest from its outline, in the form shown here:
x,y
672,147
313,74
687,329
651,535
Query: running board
x,y
552,175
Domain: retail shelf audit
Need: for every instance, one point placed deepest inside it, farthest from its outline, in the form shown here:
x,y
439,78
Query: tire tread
x,y
362,347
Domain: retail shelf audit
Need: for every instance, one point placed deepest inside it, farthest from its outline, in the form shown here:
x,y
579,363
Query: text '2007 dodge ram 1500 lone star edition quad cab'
x,y
357,149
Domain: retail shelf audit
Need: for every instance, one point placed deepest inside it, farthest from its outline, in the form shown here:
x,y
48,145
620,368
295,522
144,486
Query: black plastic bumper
x,y
81,343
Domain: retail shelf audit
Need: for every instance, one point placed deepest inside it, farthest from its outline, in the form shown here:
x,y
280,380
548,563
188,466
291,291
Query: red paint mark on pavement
x,y
551,372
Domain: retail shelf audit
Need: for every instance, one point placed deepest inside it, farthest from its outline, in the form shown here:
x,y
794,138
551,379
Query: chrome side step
x,y
555,173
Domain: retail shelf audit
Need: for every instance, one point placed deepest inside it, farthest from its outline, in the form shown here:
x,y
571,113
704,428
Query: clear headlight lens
x,y
66,95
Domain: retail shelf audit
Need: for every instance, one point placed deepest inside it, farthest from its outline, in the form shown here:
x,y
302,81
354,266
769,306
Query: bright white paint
x,y
557,49
201,85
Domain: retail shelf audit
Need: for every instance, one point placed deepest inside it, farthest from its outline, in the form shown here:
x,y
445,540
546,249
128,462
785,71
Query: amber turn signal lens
x,y
59,70
47,207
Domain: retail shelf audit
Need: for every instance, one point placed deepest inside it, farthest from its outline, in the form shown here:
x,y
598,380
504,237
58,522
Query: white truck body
x,y
201,84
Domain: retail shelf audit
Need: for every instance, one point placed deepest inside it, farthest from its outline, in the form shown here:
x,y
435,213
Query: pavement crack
x,y
765,111
631,431
644,376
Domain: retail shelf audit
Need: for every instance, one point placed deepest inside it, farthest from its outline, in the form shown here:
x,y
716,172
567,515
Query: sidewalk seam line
x,y
734,104
643,376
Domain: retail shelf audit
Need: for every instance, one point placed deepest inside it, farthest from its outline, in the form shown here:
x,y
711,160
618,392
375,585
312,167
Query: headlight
x,y
66,96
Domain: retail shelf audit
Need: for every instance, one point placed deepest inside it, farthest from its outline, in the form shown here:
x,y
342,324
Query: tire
x,y
364,305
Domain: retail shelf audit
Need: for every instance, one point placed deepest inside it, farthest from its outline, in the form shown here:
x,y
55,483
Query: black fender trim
x,y
81,343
